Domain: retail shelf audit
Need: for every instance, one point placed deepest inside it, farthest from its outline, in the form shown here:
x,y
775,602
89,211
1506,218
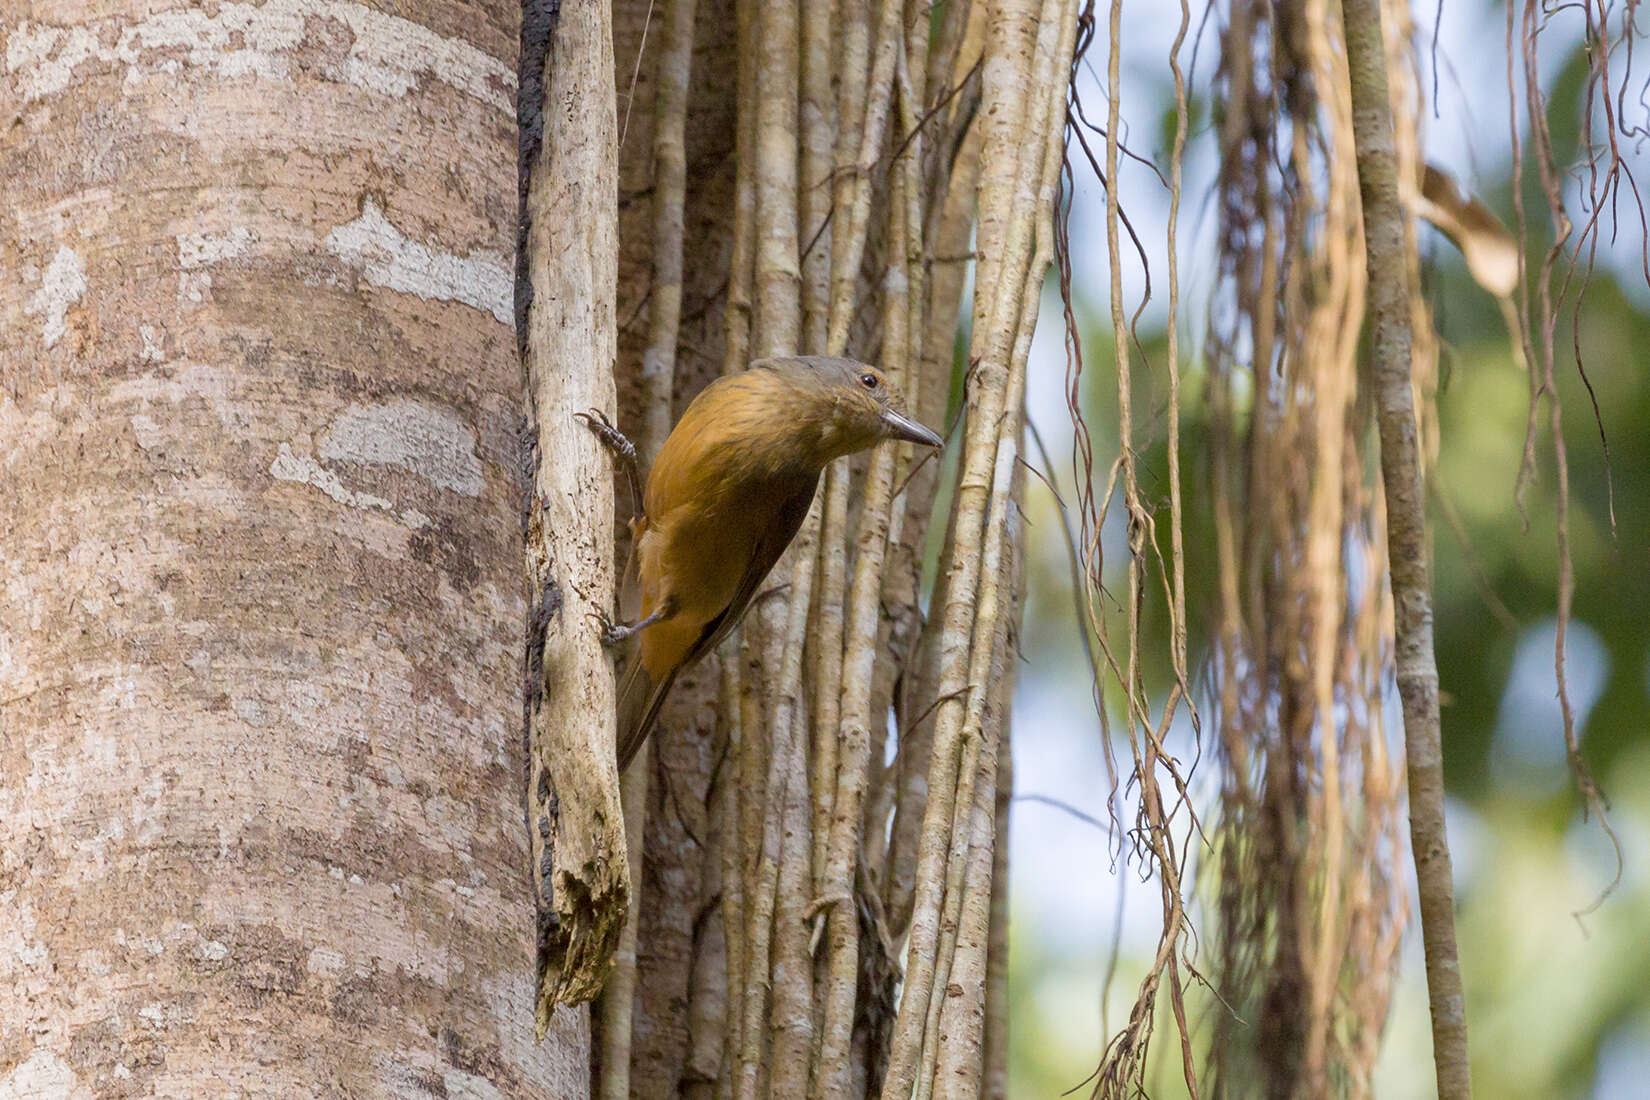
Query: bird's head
x,y
852,405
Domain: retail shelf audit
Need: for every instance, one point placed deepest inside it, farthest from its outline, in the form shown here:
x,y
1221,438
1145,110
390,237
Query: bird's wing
x,y
787,520
636,722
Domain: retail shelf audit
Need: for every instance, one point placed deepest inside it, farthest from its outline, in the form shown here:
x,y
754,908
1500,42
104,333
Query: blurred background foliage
x,y
1559,1001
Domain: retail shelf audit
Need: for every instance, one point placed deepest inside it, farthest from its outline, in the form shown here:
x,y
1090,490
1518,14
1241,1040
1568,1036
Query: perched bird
x,y
726,495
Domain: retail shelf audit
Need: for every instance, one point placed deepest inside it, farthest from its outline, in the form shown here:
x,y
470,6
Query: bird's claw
x,y
611,437
611,633
619,445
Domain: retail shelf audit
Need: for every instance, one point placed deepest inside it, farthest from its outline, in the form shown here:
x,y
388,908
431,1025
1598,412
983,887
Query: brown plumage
x,y
726,495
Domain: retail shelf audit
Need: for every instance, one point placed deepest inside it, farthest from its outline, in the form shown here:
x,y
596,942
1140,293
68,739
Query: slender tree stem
x,y
578,847
674,65
1406,537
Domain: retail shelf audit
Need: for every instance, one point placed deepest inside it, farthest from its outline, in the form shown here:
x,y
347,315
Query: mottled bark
x,y
261,760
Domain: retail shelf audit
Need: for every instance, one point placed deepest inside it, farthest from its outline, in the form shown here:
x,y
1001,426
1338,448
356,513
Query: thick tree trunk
x,y
261,763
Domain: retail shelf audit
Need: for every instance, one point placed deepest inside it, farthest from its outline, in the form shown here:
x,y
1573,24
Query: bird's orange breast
x,y
696,552
726,474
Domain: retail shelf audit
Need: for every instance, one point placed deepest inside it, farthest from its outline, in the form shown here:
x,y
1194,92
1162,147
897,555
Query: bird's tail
x,y
640,700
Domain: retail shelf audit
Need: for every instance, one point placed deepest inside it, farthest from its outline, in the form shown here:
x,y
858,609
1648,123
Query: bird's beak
x,y
900,426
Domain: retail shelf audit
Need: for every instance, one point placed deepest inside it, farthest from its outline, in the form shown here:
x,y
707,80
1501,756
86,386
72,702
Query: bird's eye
x,y
868,380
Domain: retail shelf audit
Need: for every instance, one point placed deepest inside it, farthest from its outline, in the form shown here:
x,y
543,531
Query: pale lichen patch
x,y
200,249
95,963
150,944
324,961
45,57
389,258
149,434
468,1086
42,1074
13,671
193,288
211,384
429,441
387,55
289,466
31,953
101,745
154,343
62,285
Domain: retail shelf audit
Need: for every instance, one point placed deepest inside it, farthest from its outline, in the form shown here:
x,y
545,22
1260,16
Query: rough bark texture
x,y
1407,537
760,271
577,826
261,762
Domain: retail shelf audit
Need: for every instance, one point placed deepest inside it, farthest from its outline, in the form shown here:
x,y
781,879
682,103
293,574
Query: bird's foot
x,y
613,633
619,445
612,438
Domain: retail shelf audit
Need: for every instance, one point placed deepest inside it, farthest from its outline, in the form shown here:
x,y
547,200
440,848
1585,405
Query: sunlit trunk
x,y
261,761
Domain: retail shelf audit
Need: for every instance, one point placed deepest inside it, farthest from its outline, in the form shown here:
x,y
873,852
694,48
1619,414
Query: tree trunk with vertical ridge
x,y
261,762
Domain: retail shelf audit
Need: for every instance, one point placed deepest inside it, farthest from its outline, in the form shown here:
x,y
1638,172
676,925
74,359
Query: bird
x,y
727,492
